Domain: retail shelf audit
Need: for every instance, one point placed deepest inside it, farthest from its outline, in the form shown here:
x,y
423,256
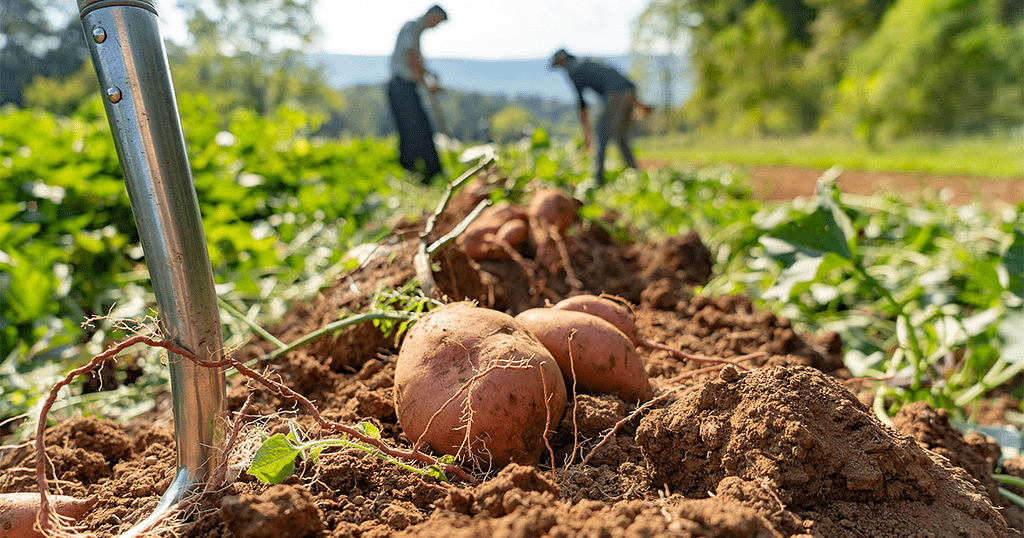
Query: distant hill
x,y
509,78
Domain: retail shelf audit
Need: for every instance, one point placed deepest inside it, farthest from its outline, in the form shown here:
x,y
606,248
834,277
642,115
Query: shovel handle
x,y
131,64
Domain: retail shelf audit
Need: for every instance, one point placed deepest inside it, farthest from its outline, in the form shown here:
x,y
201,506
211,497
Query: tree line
x,y
876,68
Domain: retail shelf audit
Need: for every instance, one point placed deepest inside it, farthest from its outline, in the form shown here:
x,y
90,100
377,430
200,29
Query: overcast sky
x,y
487,30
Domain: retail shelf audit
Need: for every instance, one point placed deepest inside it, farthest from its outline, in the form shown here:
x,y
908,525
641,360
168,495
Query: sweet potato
x,y
554,207
604,359
513,232
479,239
550,212
18,512
611,309
506,390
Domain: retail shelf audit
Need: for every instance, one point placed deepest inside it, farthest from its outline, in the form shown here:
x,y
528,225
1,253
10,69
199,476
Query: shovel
x,y
435,104
131,63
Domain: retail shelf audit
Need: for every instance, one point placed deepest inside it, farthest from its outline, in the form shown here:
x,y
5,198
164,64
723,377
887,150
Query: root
x,y
547,424
528,267
575,408
682,355
563,252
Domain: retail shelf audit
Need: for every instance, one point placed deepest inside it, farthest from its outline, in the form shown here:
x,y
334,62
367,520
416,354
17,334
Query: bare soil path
x,y
788,182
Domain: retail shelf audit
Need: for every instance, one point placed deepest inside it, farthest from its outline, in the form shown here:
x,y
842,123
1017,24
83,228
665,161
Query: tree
x,y
749,73
941,66
251,53
40,38
662,36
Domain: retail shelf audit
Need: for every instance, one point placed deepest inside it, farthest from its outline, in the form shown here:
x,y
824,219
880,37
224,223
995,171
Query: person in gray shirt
x,y
619,95
415,132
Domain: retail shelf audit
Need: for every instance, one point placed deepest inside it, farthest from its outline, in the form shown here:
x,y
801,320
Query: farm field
x,y
869,339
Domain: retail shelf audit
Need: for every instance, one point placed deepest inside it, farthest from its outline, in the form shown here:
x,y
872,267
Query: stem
x,y
459,228
340,324
237,314
1009,479
915,345
1012,497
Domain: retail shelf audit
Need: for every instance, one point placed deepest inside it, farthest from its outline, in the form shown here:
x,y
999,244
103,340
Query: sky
x,y
475,29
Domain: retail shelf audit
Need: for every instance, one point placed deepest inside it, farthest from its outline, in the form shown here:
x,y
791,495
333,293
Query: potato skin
x,y
616,312
513,232
554,207
550,212
604,359
18,512
512,409
479,238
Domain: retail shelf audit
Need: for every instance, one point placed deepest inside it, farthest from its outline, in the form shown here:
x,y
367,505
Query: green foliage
x,y
934,66
507,124
925,294
886,68
275,459
63,95
41,38
408,299
279,210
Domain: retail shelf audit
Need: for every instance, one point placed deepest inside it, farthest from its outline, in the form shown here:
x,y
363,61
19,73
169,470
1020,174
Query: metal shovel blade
x,y
131,63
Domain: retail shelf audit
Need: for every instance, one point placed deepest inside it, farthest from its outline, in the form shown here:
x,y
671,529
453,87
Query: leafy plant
x,y
274,461
914,311
408,299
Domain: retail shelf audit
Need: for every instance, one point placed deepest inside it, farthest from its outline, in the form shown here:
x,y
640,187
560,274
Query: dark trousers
x,y
415,134
615,125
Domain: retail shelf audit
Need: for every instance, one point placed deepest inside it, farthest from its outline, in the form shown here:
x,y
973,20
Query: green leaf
x,y
275,460
826,230
1014,262
804,270
817,232
368,429
1013,339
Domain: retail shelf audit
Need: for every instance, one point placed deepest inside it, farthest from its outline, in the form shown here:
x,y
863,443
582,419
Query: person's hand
x,y
431,82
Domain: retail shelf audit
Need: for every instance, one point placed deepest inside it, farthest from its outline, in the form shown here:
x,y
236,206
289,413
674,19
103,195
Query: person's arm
x,y
584,116
415,61
585,122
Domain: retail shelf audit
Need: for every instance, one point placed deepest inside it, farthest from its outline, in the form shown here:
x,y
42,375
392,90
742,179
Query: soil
x,y
777,447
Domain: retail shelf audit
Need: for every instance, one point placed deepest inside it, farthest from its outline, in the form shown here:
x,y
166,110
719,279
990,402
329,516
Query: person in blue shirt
x,y
415,132
619,95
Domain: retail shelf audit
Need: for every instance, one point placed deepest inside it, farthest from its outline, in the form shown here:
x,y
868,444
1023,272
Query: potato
x,y
611,309
550,212
554,207
498,415
18,512
479,238
604,359
513,232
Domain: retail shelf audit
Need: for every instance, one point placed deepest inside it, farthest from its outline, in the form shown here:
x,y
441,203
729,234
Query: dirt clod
x,y
280,512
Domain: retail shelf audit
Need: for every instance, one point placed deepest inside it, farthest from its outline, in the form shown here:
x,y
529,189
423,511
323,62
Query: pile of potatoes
x,y
484,386
505,226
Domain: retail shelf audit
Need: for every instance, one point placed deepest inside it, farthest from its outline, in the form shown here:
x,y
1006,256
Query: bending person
x,y
415,132
619,95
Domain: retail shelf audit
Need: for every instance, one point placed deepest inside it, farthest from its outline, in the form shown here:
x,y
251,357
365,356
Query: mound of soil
x,y
783,449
